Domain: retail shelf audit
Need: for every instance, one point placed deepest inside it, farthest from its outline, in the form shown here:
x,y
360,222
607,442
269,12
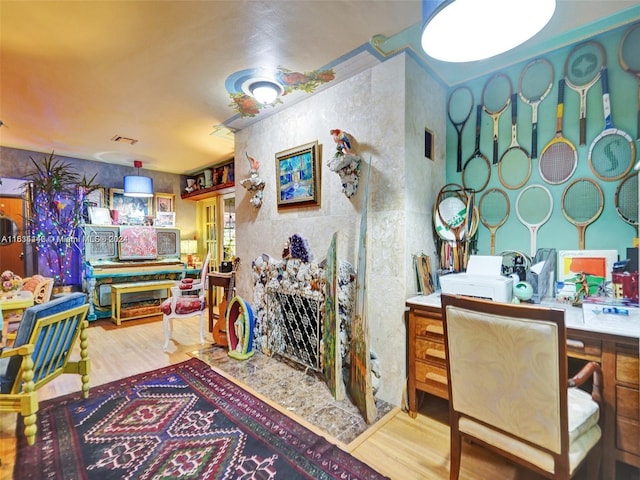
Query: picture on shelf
x,y
165,219
99,216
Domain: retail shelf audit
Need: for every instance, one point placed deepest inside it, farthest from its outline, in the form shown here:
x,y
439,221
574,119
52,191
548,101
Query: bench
x,y
118,289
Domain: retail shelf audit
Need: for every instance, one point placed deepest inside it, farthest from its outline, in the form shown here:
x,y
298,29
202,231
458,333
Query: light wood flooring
x,y
397,446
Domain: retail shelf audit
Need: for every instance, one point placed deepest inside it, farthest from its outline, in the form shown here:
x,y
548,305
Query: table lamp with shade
x,y
188,248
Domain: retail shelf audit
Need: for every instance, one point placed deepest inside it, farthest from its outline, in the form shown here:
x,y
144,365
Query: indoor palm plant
x,y
56,197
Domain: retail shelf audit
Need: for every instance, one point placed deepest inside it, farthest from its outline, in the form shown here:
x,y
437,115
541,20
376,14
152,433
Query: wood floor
x,y
399,447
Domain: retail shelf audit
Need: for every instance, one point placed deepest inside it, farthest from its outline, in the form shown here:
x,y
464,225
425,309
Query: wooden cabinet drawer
x,y
628,403
429,327
587,349
627,435
627,366
428,373
430,350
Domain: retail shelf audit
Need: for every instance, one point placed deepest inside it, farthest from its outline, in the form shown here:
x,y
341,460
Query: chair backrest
x,y
508,370
204,273
52,340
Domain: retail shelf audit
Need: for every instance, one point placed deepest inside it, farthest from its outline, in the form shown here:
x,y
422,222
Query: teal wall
x,y
609,231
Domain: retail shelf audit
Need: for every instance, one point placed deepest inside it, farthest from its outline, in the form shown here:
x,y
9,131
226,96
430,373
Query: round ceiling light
x,y
469,30
265,91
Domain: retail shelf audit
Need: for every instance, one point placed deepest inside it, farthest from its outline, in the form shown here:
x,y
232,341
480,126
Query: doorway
x,y
12,237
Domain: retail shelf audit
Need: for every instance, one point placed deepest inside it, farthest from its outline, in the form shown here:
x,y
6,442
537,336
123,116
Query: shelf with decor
x,y
210,182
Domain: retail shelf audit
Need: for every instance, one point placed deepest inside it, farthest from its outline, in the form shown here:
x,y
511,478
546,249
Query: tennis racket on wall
x,y
459,109
533,208
581,72
534,85
494,210
496,96
612,152
477,168
559,157
514,168
627,199
582,204
630,60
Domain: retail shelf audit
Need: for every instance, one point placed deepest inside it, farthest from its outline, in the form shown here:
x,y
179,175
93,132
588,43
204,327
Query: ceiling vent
x,y
120,138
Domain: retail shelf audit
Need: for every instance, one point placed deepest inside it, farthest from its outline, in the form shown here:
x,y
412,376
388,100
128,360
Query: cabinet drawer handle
x,y
575,344
435,329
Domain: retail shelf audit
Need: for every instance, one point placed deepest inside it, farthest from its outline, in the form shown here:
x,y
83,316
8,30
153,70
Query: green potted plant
x,y
56,196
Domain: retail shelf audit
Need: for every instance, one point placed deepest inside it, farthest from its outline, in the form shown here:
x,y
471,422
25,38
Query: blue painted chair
x,y
44,341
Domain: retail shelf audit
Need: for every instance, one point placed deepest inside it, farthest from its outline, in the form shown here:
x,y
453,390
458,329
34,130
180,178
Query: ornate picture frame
x,y
298,176
164,202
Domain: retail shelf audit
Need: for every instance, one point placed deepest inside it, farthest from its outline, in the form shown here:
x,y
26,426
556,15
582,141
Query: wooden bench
x,y
118,289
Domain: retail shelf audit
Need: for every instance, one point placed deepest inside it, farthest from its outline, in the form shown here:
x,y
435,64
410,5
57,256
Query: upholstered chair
x,y
187,299
509,389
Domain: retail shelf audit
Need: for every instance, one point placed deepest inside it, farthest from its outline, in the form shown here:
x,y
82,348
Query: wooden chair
x,y
41,288
508,388
44,341
179,305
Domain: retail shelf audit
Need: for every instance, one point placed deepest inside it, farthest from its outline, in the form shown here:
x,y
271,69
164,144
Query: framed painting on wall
x,y
298,176
164,202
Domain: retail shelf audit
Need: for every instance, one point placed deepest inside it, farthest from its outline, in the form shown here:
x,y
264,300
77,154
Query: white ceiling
x,y
75,74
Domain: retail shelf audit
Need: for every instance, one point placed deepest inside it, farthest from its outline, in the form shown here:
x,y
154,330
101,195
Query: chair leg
x,y
30,428
167,331
455,454
594,461
202,327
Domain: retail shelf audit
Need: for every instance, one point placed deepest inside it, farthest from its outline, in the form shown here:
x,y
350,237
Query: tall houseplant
x,y
56,197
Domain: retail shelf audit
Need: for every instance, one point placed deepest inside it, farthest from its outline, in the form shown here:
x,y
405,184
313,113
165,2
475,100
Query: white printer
x,y
482,279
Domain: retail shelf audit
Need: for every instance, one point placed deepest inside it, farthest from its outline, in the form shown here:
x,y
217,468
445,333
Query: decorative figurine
x,y
240,325
345,162
254,183
342,141
582,289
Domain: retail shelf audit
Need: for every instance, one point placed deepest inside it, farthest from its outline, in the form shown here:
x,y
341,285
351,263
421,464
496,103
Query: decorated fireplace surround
x,y
288,298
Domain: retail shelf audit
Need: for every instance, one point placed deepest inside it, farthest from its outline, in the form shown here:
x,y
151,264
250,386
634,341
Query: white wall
x,y
386,110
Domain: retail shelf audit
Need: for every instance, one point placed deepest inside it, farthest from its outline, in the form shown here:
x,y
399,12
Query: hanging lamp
x,y
137,185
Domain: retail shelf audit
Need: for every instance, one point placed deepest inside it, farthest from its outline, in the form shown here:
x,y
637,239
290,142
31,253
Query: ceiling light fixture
x,y
469,30
265,91
137,185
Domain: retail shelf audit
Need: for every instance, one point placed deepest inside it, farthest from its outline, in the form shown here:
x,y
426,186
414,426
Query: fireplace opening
x,y
296,326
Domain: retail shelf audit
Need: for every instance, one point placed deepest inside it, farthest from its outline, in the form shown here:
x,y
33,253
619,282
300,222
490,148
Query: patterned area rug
x,y
183,421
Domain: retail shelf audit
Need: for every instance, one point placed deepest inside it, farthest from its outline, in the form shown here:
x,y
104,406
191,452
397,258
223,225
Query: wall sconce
x,y
469,30
137,185
265,91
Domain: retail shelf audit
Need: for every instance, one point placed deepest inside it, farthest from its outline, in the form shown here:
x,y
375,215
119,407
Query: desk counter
x,y
609,339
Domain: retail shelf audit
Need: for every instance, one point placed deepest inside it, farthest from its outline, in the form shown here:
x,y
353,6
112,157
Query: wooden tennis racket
x,y
459,110
613,152
494,210
582,204
559,157
496,96
514,168
533,208
581,72
534,85
627,199
452,212
630,61
477,169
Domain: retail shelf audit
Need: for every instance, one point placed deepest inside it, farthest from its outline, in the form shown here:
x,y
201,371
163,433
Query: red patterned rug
x,y
184,421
